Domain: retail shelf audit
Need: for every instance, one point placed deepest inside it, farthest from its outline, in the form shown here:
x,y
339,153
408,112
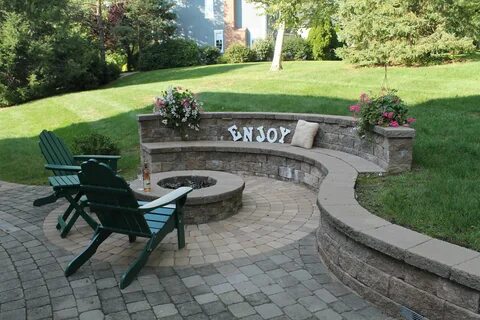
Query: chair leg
x,y
180,228
45,200
137,265
99,236
131,238
79,211
69,210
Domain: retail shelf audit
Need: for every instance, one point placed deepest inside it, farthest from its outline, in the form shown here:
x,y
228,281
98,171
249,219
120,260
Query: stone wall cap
x,y
390,132
343,120
467,273
438,256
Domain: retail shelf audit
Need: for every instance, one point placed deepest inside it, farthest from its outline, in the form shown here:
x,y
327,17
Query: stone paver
x,y
283,279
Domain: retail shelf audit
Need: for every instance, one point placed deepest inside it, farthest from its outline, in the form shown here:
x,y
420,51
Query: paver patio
x,y
283,278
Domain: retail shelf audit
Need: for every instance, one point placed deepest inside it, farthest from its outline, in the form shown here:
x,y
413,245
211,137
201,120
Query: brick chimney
x,y
230,33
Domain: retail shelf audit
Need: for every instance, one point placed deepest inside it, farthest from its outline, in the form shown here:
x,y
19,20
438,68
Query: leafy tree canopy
x,y
392,32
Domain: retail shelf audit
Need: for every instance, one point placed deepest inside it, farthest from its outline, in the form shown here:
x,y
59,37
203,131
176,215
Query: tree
x,y
392,32
44,51
137,23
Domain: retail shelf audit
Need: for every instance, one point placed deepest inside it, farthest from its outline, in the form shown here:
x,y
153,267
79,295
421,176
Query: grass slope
x,y
439,197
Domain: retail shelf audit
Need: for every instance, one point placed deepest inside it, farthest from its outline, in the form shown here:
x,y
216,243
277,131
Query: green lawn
x,y
440,197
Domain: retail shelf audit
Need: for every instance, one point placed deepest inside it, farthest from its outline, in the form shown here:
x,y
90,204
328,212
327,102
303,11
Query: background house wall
x,y
240,21
196,22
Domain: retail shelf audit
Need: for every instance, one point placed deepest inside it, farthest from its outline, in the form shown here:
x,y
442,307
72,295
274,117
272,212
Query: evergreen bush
x,y
170,54
209,55
263,49
95,143
238,53
323,40
296,48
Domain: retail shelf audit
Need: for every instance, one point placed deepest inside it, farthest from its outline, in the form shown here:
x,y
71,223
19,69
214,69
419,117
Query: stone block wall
x,y
390,148
391,283
277,166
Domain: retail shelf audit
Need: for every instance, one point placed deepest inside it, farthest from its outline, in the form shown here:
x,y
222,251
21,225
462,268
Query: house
x,y
220,23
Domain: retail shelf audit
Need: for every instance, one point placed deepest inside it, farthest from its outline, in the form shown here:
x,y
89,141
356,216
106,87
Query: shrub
x,y
296,48
323,40
169,54
95,143
118,59
209,55
238,53
263,49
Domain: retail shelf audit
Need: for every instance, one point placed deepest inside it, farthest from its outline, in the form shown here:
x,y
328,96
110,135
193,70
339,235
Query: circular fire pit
x,y
216,195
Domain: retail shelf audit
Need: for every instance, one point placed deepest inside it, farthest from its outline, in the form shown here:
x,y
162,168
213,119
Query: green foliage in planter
x,y
323,40
296,48
95,143
392,32
263,49
238,53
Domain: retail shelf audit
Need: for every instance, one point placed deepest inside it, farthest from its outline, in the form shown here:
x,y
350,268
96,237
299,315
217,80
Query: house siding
x,y
241,21
192,22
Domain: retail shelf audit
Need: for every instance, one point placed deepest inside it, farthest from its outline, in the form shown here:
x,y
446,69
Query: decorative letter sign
x,y
234,132
261,134
248,134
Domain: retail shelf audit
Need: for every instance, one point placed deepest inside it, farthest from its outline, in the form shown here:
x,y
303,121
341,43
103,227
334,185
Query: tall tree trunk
x,y
101,31
277,55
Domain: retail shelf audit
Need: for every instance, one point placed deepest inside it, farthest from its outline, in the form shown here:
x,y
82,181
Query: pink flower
x,y
390,115
411,120
355,108
364,98
185,103
159,102
394,124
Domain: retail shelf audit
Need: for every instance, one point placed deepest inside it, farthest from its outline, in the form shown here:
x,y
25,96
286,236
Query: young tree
x,y
392,32
290,14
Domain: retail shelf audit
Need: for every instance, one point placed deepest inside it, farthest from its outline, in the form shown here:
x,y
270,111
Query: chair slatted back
x,y
55,151
110,197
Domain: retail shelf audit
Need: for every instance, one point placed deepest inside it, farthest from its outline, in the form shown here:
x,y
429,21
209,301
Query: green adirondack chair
x,y
65,184
110,197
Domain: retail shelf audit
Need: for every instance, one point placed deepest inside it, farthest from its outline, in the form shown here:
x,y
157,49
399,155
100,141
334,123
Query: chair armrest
x,y
96,157
166,199
62,167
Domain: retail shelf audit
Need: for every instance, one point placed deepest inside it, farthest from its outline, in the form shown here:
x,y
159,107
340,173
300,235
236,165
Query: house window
x,y
209,10
218,38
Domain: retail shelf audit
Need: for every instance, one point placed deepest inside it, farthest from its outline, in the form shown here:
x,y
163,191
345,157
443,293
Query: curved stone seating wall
x,y
390,148
387,264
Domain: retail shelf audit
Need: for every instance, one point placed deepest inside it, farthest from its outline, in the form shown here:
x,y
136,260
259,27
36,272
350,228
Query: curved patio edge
x,y
390,265
387,264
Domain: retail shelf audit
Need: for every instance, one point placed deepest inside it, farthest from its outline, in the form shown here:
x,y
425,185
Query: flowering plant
x,y
386,110
179,109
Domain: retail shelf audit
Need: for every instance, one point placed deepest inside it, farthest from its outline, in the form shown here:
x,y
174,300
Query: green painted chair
x,y
65,184
110,197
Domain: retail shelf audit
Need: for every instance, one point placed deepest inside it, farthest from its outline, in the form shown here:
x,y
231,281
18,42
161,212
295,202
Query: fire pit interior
x,y
216,195
195,182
